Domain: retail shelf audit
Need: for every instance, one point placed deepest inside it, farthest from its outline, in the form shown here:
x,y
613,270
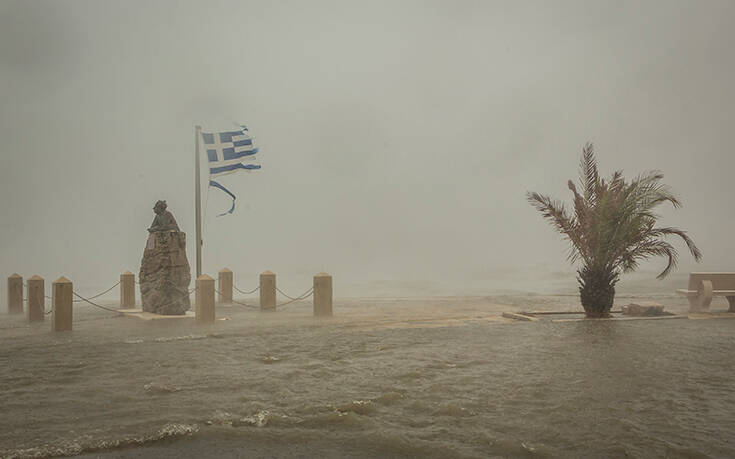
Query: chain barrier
x,y
100,294
247,293
77,301
95,304
281,292
118,312
26,299
241,304
303,296
44,294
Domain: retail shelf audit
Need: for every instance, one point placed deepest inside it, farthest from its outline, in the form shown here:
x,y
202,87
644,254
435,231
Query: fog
x,y
397,139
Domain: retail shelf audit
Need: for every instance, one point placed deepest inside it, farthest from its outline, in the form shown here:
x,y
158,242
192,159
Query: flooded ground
x,y
406,377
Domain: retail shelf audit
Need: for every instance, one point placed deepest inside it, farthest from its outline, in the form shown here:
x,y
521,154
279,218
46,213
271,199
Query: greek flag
x,y
229,152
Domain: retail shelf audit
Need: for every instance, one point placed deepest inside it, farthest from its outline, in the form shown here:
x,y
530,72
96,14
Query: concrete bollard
x,y
36,299
267,291
205,300
322,295
61,302
127,290
224,286
15,294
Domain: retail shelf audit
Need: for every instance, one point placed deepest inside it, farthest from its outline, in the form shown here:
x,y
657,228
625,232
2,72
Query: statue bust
x,y
164,220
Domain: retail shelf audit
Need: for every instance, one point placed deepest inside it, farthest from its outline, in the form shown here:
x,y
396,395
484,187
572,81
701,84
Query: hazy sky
x,y
397,138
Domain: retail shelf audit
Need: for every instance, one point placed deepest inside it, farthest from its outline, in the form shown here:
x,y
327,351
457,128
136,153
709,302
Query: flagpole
x,y
198,200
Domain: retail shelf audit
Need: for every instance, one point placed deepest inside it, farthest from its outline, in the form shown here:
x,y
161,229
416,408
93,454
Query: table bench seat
x,y
703,286
685,292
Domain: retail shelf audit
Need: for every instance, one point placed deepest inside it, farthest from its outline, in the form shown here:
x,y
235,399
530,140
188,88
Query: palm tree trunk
x,y
597,290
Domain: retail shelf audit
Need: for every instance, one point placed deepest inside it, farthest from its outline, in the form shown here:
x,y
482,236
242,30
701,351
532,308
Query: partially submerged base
x,y
520,316
148,316
644,309
712,315
534,316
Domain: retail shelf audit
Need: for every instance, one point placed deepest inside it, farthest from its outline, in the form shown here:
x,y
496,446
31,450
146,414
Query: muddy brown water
x,y
432,377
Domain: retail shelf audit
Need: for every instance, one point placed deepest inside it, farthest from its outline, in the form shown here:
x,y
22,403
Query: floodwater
x,y
432,377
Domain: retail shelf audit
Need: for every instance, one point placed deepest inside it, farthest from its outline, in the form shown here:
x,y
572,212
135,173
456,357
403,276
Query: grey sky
x,y
398,138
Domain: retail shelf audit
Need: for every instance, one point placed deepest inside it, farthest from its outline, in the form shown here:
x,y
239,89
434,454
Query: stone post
x,y
15,294
322,294
61,299
36,299
205,300
127,290
224,286
267,291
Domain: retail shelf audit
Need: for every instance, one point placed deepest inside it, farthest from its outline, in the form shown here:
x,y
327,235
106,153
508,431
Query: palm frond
x,y
555,213
649,249
589,175
668,231
612,226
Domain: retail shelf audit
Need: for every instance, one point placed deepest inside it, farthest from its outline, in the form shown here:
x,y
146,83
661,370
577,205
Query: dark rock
x,y
165,274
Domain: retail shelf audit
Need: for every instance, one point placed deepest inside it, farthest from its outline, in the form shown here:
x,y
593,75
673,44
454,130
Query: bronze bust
x,y
164,220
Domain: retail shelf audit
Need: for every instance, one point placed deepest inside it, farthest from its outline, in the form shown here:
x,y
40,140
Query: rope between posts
x,y
251,306
281,292
247,293
77,301
100,294
117,311
45,312
95,304
241,304
303,296
44,294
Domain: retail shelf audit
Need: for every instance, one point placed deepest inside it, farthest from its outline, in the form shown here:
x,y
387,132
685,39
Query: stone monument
x,y
164,272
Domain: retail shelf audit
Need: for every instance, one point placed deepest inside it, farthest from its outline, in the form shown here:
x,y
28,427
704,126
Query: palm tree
x,y
612,229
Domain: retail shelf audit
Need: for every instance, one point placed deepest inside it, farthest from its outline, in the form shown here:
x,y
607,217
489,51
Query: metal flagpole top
x,y
198,201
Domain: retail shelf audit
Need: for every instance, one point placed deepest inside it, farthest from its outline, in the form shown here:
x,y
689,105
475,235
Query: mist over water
x,y
397,142
383,378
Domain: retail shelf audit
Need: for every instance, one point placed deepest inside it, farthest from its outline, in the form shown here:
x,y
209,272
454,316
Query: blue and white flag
x,y
229,152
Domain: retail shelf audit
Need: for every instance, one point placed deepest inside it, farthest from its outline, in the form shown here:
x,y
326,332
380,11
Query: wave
x,y
86,445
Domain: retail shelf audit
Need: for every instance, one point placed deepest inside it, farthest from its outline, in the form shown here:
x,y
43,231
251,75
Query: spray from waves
x,y
167,339
355,412
85,445
261,418
161,388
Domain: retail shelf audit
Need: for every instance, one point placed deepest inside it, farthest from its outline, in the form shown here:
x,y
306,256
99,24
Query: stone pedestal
x,y
322,294
267,291
127,290
61,299
224,286
165,274
644,309
36,299
15,294
205,300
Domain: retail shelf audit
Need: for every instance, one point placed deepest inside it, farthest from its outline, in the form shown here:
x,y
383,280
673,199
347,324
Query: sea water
x,y
402,377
